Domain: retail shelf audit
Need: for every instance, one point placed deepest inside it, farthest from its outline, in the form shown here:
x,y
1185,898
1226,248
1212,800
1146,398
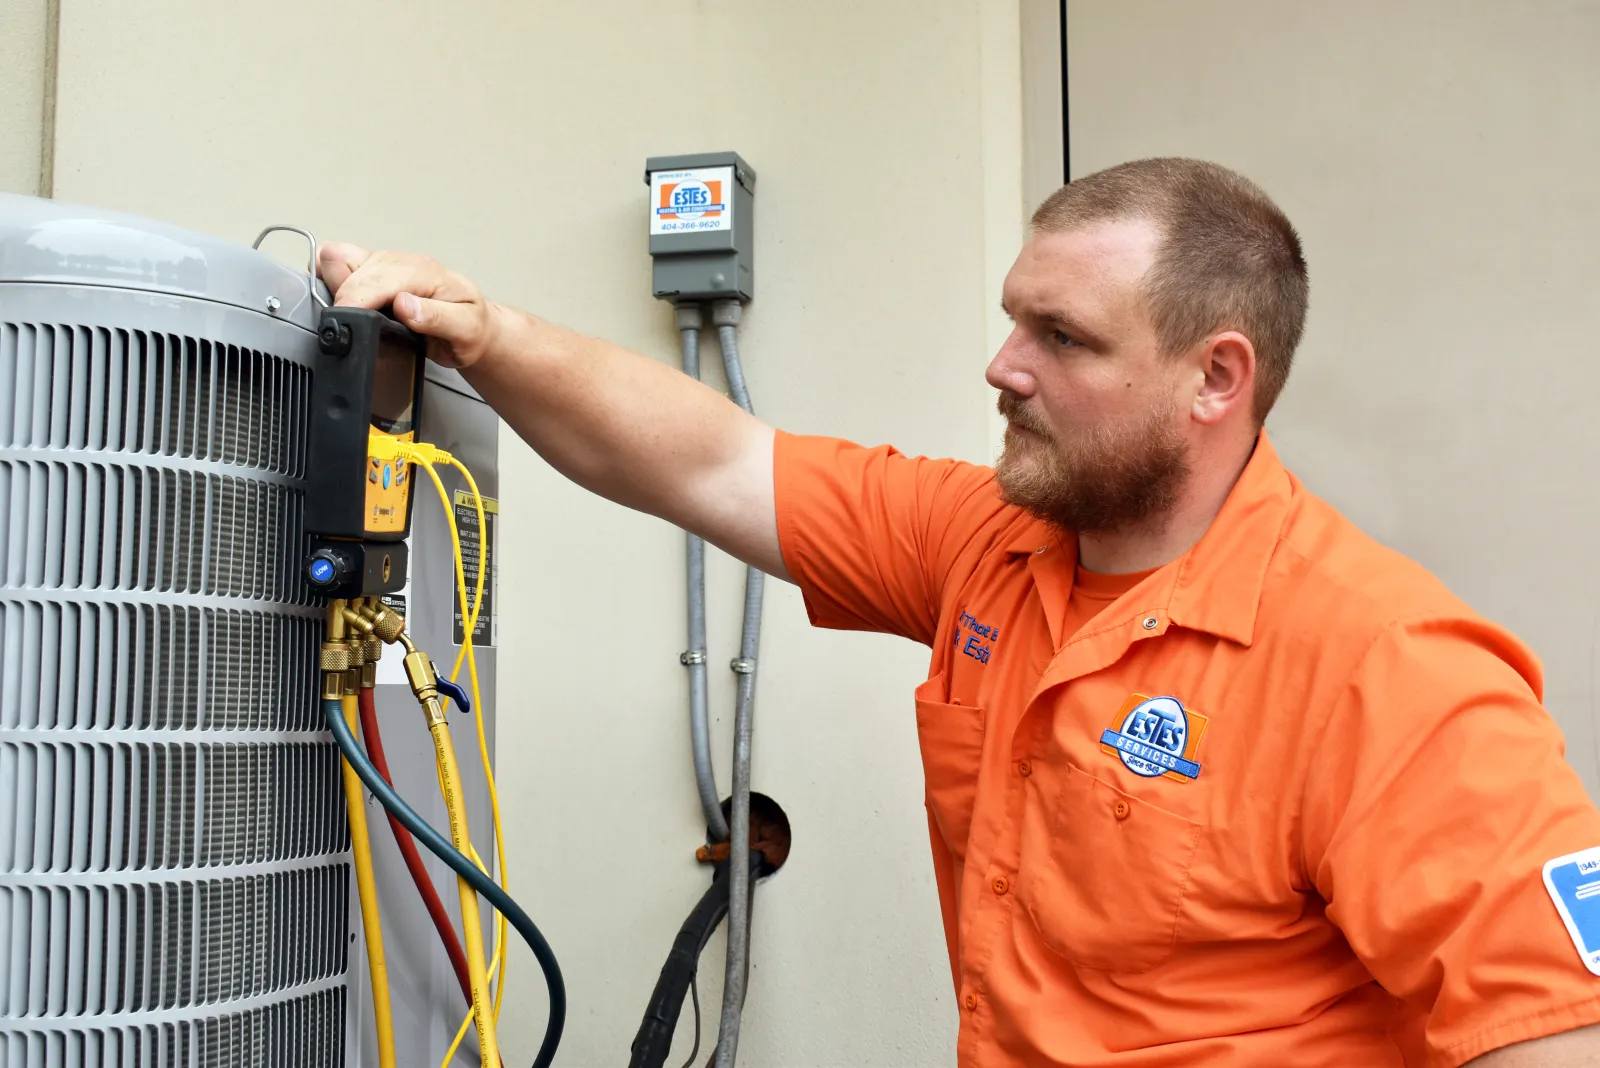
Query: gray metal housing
x,y
175,882
713,265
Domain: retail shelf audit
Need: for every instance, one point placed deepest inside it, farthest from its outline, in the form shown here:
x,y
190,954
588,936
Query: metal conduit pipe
x,y
726,315
689,321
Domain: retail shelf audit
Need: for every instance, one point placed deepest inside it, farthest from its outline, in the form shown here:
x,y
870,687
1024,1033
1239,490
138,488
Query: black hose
x,y
440,846
653,1041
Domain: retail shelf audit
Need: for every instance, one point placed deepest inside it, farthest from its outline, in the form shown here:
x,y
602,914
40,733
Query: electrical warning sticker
x,y
476,550
691,201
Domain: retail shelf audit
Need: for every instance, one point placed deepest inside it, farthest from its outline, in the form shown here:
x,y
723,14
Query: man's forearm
x,y
627,427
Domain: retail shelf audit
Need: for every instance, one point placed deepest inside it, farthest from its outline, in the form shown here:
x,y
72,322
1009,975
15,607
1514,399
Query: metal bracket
x,y
311,259
686,659
742,665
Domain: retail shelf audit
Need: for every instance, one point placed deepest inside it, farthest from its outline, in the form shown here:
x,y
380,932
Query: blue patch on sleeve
x,y
1574,885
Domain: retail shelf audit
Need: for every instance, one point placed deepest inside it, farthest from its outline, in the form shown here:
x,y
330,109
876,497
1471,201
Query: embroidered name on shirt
x,y
975,639
1156,737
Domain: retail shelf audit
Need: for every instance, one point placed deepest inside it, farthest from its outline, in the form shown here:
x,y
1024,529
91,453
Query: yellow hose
x,y
424,456
418,454
367,886
471,659
461,1032
471,923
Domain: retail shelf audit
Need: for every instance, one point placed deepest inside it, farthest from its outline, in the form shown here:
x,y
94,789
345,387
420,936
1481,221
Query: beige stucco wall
x,y
24,58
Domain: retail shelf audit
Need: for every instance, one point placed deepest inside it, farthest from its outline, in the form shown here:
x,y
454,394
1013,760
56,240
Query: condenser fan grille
x,y
174,877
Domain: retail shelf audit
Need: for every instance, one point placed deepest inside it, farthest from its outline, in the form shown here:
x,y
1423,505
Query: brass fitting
x,y
335,656
333,659
424,682
336,610
386,623
352,681
369,675
374,649
357,621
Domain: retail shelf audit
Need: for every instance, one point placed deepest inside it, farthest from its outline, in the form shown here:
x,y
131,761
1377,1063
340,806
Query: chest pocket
x,y
1102,874
951,738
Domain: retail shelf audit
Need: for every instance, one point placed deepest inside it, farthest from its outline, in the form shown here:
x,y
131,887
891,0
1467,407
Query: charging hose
x,y
471,925
466,869
373,735
367,889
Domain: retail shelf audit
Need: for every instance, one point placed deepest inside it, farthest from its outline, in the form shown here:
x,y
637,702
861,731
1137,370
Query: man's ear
x,y
1227,364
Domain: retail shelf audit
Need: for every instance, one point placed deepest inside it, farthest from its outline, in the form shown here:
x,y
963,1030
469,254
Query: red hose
x,y
408,850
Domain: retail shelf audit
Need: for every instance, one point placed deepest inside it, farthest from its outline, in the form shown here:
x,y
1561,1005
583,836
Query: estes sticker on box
x,y
691,201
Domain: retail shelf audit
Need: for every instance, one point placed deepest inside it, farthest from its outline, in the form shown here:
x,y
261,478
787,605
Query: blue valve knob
x,y
322,572
455,693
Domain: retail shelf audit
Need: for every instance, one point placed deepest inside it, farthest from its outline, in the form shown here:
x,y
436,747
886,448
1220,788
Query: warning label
x,y
477,549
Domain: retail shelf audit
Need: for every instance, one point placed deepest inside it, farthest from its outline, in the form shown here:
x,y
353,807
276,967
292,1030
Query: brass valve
x,y
424,682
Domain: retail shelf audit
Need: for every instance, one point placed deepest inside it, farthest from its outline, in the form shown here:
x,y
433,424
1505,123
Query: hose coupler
x,y
424,682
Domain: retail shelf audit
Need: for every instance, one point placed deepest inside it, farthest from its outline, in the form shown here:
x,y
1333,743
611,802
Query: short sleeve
x,y
870,535
1435,795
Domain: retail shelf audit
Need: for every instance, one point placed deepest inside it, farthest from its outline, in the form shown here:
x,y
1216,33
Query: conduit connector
x,y
742,665
691,657
726,312
688,316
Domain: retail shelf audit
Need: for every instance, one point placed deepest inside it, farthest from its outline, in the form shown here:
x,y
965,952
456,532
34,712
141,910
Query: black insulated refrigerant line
x,y
653,1041
441,847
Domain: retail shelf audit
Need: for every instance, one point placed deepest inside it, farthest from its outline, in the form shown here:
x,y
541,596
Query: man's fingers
x,y
383,275
458,324
337,261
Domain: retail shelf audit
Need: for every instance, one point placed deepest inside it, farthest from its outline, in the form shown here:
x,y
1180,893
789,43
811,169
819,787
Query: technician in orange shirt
x,y
1212,778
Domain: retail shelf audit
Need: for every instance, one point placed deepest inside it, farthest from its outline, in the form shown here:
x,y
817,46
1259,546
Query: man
x,y
1212,778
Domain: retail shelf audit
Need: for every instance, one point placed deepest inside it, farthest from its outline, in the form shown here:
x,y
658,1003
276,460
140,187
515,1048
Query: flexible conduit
x,y
705,777
726,315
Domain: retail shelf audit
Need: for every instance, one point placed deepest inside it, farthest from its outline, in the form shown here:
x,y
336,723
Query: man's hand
x,y
622,425
460,325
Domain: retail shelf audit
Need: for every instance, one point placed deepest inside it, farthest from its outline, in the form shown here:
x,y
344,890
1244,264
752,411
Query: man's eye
x,y
1061,337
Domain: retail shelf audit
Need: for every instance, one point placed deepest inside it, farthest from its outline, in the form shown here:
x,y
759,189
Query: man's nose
x,y
1009,368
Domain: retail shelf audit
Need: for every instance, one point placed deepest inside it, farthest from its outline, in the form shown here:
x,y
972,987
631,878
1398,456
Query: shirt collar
x,y
1216,586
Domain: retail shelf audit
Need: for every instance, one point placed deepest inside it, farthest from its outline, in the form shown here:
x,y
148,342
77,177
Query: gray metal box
x,y
702,226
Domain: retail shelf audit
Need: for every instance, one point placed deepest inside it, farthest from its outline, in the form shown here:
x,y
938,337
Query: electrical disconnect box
x,y
702,226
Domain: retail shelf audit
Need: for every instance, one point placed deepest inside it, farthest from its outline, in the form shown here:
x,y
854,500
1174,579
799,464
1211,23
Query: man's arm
x,y
617,423
1571,1049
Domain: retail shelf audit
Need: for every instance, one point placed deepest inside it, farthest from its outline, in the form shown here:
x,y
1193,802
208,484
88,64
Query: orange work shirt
x,y
1285,801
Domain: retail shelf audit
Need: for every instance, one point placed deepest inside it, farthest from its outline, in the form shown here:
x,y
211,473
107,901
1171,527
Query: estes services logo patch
x,y
1573,882
1156,736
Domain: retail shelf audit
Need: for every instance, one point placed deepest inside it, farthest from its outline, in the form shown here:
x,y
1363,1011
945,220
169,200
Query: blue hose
x,y
441,847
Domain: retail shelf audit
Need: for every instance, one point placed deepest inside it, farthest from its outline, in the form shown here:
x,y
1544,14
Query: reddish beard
x,y
1097,482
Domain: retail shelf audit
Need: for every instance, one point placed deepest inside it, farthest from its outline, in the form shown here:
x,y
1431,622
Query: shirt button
x,y
1120,810
1041,548
1000,885
971,1002
1150,622
1024,769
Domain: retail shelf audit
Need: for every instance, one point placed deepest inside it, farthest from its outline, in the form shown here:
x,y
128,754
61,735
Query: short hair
x,y
1228,257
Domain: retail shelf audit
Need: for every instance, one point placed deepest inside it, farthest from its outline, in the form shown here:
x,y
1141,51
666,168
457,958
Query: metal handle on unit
x,y
311,259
